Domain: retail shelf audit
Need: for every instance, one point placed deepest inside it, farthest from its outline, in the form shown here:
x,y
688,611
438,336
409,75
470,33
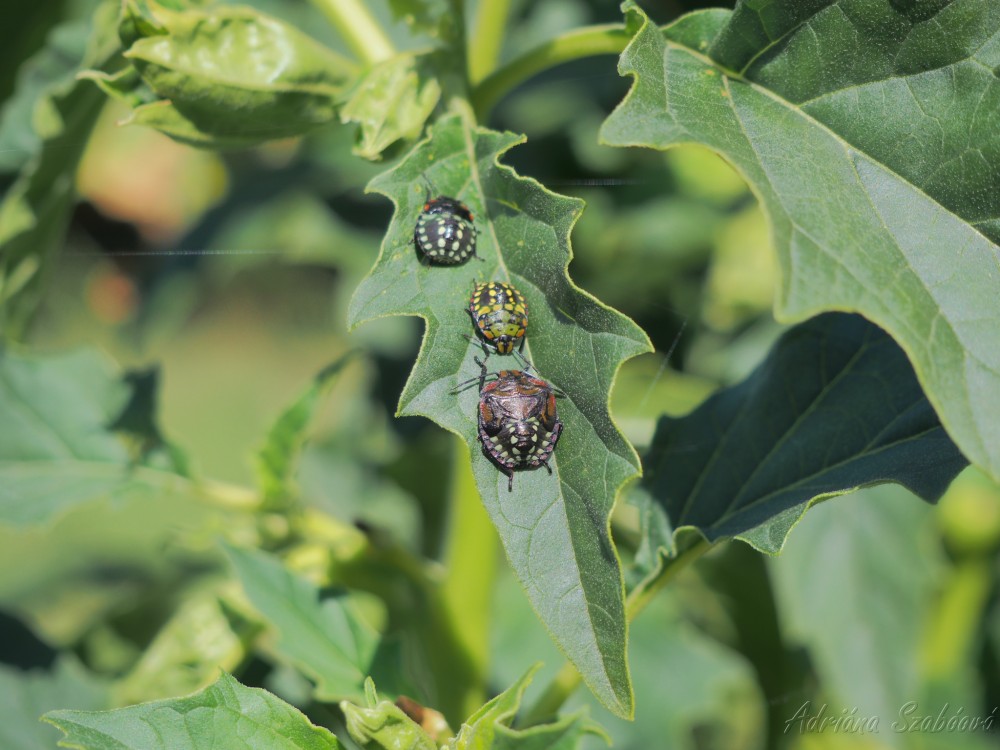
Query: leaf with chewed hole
x,y
554,528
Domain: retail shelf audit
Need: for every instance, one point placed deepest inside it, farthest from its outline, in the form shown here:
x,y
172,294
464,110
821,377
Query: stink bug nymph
x,y
500,315
445,232
518,425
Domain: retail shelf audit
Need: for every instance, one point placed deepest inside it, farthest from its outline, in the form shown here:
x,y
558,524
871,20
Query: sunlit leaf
x,y
871,134
554,528
392,101
855,585
224,716
225,76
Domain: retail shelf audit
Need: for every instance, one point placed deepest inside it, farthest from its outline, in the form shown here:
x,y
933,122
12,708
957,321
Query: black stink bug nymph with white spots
x,y
445,233
518,425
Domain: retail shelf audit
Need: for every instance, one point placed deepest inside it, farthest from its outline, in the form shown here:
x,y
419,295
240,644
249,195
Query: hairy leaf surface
x,y
554,528
870,131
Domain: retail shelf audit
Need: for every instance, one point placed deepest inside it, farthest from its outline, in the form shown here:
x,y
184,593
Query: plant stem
x,y
358,28
640,597
487,38
606,39
568,679
563,685
467,591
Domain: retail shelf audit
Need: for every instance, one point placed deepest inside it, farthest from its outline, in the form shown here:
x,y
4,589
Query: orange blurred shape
x,y
134,174
111,296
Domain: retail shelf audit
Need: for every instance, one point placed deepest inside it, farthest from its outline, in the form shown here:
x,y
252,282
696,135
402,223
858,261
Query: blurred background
x,y
232,272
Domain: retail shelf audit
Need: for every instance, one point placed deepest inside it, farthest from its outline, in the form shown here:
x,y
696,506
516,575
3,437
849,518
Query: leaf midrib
x,y
831,467
476,180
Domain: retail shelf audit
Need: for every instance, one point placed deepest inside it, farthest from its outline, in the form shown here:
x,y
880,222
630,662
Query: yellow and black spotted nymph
x,y
445,233
500,315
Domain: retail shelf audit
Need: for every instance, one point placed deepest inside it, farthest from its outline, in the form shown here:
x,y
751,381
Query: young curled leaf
x,y
224,77
490,727
383,724
390,102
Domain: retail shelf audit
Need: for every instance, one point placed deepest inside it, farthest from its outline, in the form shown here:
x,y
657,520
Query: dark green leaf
x,y
57,445
548,523
278,457
225,716
35,210
324,637
834,407
27,695
871,134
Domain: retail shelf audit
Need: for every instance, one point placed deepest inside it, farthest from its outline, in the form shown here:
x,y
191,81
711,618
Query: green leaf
x,y
490,727
58,448
548,524
199,639
324,637
382,724
226,76
863,637
277,459
27,695
715,694
224,716
53,64
834,407
391,101
35,211
871,135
